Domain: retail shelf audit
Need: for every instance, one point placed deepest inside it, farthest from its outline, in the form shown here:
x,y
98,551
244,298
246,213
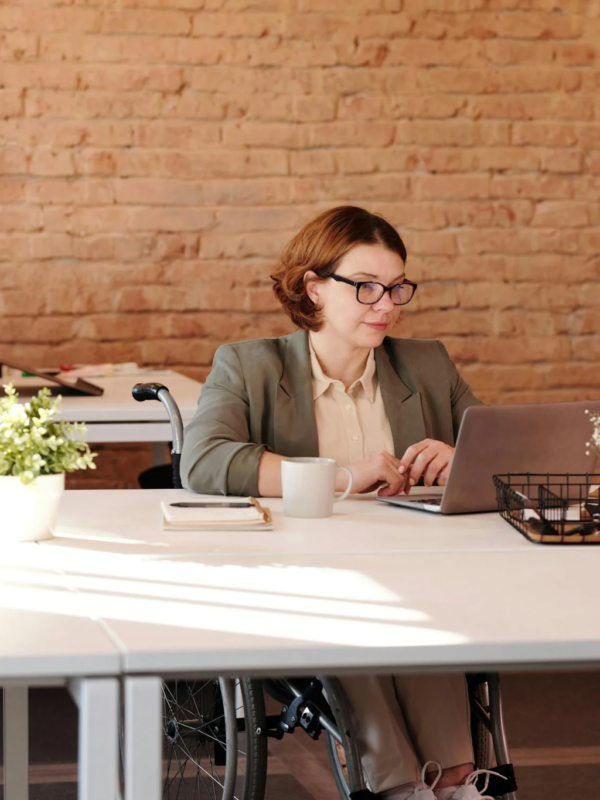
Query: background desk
x,y
117,417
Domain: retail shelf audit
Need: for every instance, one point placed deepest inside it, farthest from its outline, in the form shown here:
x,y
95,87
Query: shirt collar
x,y
321,382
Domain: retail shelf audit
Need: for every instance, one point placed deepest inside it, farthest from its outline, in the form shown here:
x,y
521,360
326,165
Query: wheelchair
x,y
216,730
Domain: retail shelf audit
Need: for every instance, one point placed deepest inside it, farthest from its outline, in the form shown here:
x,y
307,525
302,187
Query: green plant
x,y
33,443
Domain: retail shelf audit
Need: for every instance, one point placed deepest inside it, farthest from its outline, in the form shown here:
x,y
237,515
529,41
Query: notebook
x,y
219,513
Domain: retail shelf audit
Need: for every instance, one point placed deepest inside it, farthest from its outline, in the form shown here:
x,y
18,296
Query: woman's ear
x,y
312,284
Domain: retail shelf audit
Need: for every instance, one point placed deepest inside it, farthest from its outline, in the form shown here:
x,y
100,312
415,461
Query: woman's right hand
x,y
378,470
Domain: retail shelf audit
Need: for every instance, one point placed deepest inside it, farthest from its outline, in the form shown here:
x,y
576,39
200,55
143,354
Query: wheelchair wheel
x,y
337,761
483,750
215,740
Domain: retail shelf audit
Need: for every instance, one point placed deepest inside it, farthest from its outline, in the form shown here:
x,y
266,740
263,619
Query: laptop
x,y
494,440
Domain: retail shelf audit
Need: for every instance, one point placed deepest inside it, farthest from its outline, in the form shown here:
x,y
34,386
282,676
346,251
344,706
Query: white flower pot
x,y
29,511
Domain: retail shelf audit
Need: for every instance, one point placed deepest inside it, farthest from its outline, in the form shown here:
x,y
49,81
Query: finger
x,y
420,464
443,476
434,469
389,490
395,481
412,453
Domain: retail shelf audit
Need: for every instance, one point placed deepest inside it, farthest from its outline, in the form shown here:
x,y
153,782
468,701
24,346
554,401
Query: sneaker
x,y
419,790
468,790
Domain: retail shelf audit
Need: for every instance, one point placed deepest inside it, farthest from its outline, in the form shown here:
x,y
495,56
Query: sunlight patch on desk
x,y
98,536
215,596
272,578
264,624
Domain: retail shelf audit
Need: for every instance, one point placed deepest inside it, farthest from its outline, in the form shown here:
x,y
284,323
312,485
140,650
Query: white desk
x,y
117,417
372,589
46,640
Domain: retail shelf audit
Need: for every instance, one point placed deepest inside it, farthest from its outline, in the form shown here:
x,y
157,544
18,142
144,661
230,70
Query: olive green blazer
x,y
259,397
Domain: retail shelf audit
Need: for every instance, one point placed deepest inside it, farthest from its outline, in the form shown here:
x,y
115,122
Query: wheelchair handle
x,y
147,391
156,391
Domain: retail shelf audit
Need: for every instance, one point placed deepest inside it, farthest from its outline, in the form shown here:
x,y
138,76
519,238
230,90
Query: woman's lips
x,y
377,326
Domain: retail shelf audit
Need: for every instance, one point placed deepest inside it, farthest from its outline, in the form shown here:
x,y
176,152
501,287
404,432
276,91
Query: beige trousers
x,y
403,721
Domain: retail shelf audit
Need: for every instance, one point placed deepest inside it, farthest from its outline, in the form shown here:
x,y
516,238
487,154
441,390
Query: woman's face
x,y
342,314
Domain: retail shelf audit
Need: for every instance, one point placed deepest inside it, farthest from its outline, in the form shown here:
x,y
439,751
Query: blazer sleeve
x,y
217,456
461,396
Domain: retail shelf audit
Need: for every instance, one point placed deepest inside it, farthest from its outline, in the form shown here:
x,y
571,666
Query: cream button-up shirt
x,y
351,424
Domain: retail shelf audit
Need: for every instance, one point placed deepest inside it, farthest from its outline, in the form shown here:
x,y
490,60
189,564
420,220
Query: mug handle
x,y
345,494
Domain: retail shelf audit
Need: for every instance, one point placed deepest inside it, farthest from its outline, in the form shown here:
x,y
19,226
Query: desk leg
x,y
143,735
98,701
16,743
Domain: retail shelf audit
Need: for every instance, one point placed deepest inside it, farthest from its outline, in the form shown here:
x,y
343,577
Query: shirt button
x,y
355,438
348,407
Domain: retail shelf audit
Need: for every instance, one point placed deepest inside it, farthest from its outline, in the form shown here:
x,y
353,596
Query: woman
x,y
388,409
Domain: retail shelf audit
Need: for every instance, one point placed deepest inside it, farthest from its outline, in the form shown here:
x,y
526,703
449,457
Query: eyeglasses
x,y
369,292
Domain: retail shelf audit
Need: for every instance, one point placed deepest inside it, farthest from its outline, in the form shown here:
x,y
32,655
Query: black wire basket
x,y
553,508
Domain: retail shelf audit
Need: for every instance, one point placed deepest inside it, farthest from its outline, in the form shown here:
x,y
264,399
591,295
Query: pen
x,y
211,505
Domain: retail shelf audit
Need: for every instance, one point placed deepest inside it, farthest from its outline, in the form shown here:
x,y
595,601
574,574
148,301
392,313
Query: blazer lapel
x,y
295,426
402,405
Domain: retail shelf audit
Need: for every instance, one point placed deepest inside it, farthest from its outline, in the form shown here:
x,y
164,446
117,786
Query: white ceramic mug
x,y
308,486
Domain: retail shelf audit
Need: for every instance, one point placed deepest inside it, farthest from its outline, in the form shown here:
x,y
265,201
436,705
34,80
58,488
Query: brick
x,y
51,162
342,134
264,134
159,22
51,246
20,217
179,135
11,103
545,133
313,162
12,190
39,76
560,214
427,187
256,25
18,47
45,19
535,186
432,106
314,108
169,218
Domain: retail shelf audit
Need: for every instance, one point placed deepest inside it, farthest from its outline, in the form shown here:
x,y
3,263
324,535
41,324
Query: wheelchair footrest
x,y
499,786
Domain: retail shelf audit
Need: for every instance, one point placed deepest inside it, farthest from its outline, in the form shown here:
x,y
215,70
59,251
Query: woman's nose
x,y
385,303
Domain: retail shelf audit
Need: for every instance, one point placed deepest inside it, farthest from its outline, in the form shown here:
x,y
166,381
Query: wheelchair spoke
x,y
196,722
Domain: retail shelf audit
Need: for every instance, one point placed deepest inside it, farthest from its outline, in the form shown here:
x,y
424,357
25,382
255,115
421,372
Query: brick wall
x,y
156,154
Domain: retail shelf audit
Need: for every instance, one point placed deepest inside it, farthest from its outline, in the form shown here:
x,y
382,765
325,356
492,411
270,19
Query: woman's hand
x,y
378,470
428,459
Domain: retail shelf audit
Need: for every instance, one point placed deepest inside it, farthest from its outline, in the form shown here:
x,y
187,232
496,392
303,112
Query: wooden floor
x,y
553,724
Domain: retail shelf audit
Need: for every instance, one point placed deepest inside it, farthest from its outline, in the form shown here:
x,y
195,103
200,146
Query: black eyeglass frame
x,y
359,284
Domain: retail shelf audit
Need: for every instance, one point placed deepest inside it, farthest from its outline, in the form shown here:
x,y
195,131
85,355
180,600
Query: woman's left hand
x,y
428,459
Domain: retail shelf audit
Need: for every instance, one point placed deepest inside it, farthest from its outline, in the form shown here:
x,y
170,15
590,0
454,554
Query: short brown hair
x,y
318,247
